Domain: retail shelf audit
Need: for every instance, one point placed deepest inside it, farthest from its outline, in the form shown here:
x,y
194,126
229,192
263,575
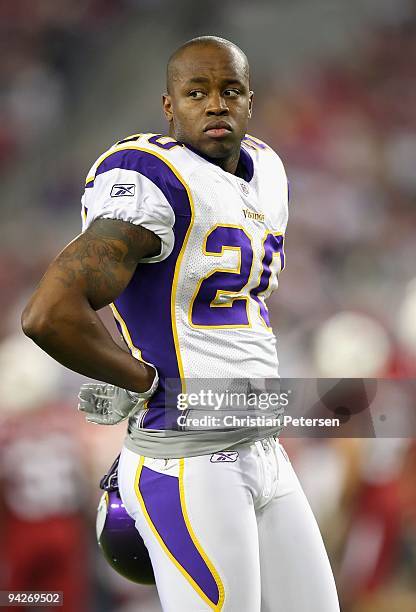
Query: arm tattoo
x,y
103,259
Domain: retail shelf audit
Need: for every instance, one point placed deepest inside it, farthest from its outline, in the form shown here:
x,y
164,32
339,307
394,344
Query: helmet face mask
x,y
117,536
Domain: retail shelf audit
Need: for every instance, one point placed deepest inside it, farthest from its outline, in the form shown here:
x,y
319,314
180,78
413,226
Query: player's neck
x,y
229,164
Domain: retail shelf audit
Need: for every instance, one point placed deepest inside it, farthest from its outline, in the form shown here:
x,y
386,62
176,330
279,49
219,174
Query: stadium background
x,y
336,97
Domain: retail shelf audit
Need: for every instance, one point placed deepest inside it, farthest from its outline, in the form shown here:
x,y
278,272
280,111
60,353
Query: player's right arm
x,y
91,272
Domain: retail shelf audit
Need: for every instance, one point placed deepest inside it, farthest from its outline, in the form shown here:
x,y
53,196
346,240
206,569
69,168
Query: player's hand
x,y
106,404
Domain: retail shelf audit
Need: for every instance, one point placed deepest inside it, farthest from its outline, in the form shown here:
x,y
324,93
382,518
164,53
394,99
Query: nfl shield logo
x,y
244,188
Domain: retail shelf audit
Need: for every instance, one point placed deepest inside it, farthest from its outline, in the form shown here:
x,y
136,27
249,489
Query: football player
x,y
183,236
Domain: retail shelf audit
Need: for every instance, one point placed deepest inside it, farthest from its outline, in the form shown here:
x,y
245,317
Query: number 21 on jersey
x,y
221,299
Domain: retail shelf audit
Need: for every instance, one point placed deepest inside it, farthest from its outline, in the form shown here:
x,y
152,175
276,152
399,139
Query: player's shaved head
x,y
178,56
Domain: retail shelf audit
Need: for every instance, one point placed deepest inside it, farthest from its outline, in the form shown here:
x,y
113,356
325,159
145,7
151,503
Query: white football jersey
x,y
197,309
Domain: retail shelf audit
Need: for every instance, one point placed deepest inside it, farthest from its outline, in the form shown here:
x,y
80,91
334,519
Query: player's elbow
x,y
36,322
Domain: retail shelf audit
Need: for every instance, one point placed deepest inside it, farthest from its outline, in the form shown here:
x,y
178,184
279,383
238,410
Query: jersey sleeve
x,y
116,190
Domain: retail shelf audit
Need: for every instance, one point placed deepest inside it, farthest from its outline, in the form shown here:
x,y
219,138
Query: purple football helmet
x,y
117,535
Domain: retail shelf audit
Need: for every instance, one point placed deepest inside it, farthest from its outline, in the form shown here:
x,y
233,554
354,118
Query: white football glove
x,y
108,405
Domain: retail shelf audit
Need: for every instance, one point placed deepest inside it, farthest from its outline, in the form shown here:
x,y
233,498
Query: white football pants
x,y
230,532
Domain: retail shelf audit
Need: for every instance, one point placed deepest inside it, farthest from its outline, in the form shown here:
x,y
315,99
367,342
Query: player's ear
x,y
250,103
167,107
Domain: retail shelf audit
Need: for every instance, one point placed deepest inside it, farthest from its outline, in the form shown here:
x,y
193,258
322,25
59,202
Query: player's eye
x,y
196,94
231,93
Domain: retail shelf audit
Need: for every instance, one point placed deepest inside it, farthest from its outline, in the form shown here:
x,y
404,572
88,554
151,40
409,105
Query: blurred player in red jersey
x,y
43,488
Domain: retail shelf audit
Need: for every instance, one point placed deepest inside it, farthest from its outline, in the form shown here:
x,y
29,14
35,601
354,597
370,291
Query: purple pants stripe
x,y
162,498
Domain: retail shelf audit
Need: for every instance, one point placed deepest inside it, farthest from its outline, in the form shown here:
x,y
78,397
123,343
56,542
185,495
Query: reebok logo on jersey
x,y
249,214
224,457
123,190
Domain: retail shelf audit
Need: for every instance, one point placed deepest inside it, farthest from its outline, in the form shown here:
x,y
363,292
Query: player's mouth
x,y
218,129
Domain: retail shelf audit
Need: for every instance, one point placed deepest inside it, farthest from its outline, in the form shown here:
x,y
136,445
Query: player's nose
x,y
216,105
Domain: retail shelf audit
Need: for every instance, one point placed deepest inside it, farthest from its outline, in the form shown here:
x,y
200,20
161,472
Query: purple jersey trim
x,y
145,304
161,497
254,142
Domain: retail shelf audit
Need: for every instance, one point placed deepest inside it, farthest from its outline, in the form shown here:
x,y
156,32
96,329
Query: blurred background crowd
x,y
336,97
